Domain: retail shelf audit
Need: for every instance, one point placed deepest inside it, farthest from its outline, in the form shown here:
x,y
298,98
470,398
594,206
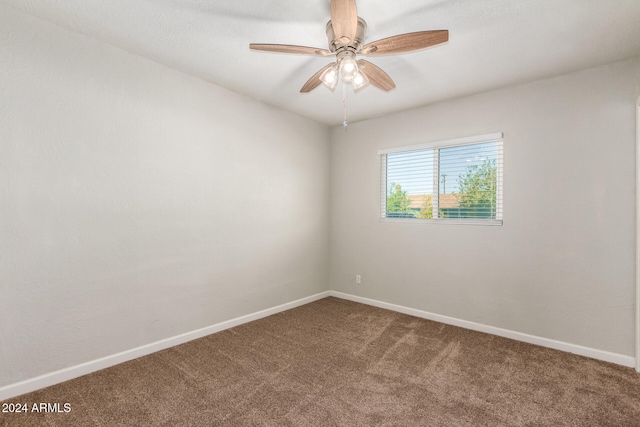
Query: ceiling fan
x,y
345,32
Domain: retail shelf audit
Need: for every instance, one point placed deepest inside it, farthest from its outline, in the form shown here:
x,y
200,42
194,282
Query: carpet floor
x,y
339,363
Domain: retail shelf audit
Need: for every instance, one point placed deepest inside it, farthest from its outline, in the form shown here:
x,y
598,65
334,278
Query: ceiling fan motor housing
x,y
337,45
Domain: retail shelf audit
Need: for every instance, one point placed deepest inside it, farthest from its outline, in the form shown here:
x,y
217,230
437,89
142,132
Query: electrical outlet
x,y
358,279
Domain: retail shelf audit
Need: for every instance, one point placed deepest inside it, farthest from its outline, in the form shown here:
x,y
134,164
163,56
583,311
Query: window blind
x,y
448,181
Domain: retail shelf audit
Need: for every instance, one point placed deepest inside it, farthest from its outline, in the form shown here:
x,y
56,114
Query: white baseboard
x,y
606,356
46,380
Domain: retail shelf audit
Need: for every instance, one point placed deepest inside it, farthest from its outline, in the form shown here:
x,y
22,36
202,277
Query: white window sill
x,y
446,221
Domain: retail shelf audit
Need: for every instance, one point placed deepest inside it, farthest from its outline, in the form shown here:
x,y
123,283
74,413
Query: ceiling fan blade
x,y
344,19
405,42
287,48
376,75
315,81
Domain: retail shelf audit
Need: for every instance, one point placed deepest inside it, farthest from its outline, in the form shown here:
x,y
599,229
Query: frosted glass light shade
x,y
348,69
330,77
360,81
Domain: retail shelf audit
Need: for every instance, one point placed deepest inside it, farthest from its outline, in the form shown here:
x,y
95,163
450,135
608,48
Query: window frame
x,y
436,146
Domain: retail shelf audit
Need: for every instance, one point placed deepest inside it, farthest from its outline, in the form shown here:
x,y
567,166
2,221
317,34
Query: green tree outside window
x,y
398,202
478,190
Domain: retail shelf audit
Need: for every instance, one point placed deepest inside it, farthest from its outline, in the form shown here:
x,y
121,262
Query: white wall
x,y
138,203
562,265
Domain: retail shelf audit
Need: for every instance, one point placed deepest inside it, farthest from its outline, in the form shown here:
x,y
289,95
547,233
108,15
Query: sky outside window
x,y
412,170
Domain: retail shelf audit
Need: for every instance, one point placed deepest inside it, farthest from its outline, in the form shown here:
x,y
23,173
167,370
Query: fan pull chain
x,y
345,123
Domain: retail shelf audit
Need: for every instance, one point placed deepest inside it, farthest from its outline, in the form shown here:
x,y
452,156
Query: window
x,y
455,181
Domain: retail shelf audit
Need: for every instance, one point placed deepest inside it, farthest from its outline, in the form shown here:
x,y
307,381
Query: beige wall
x,y
562,265
138,203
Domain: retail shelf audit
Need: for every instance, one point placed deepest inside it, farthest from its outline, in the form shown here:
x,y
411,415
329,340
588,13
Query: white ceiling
x,y
492,43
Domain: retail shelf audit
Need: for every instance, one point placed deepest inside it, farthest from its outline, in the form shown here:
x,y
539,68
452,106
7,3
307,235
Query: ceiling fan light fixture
x,y
360,81
348,69
330,77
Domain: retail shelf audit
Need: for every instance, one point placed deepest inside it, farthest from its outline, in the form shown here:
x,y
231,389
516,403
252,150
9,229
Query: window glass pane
x,y
409,184
467,185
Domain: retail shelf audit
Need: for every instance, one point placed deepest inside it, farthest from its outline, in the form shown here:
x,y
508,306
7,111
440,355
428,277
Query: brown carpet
x,y
339,363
